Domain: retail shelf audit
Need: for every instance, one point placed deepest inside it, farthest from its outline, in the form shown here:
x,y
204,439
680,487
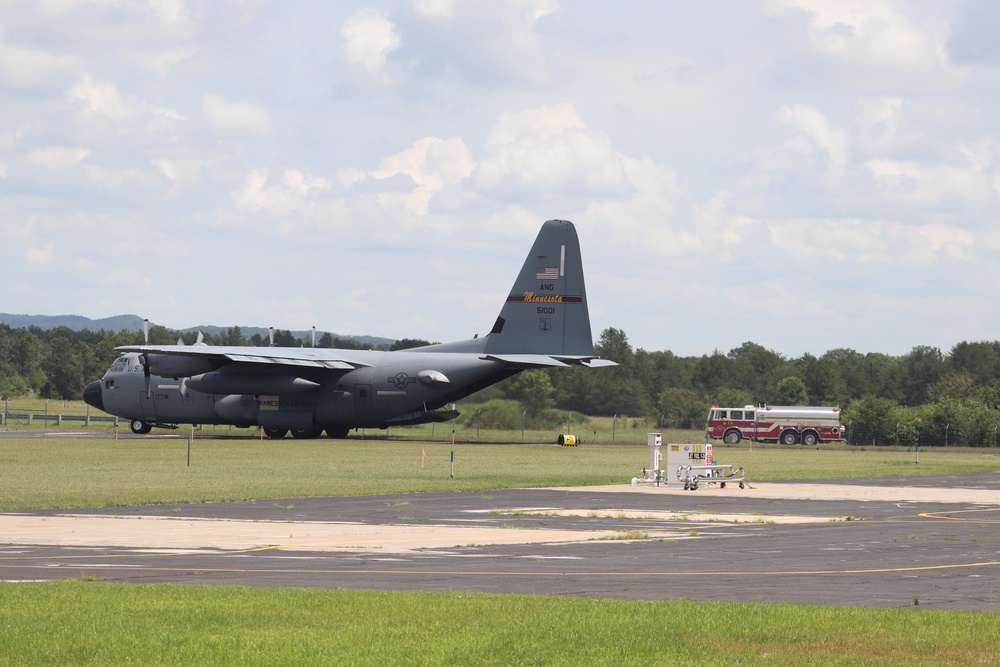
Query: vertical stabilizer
x,y
546,310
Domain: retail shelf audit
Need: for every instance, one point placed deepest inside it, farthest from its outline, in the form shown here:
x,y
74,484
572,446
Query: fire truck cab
x,y
787,424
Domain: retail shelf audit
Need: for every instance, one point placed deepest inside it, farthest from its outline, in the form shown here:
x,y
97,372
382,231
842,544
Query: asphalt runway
x,y
890,543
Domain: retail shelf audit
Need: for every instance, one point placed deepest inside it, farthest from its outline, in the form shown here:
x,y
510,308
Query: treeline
x,y
925,396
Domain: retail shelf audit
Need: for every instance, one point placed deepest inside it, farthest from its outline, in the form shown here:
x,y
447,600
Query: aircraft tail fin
x,y
546,312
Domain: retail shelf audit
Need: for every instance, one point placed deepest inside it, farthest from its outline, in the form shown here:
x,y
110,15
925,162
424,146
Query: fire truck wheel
x,y
809,438
788,438
732,437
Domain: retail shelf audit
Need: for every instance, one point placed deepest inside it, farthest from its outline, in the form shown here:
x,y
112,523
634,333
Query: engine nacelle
x,y
175,366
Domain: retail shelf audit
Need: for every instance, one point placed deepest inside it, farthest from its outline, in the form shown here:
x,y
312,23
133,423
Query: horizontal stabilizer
x,y
548,361
597,362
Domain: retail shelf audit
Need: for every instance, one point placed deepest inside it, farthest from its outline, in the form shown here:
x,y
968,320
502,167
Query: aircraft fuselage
x,y
397,389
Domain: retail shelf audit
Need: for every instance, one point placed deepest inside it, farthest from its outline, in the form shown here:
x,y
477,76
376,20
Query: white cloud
x,y
369,38
58,157
40,257
178,169
481,42
35,69
237,117
161,61
110,179
546,152
870,242
815,125
874,42
939,185
103,99
289,196
432,163
104,114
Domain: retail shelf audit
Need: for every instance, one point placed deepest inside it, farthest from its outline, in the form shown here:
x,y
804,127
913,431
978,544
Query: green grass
x,y
98,623
102,472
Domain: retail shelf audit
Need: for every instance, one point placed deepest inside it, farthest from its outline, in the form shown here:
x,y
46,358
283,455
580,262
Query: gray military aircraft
x,y
544,323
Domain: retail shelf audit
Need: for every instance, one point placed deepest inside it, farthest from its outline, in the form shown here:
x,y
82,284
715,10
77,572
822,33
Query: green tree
x,y
979,360
871,420
733,398
63,371
682,408
756,369
920,369
408,344
712,373
792,391
533,389
232,336
284,338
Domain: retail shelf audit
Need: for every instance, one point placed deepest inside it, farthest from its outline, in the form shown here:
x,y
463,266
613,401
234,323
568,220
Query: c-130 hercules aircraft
x,y
544,323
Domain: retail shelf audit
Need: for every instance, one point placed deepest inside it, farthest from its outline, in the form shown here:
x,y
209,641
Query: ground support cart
x,y
691,476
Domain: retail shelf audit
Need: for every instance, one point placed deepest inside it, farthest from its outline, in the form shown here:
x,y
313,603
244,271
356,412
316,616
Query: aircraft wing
x,y
283,356
547,360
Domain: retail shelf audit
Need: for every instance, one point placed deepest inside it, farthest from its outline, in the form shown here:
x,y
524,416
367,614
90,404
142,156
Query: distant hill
x,y
74,322
134,323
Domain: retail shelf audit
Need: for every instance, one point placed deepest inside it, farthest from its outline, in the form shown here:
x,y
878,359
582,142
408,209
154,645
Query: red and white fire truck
x,y
787,424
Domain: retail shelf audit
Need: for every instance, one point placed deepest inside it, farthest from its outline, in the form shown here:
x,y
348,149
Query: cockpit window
x,y
121,363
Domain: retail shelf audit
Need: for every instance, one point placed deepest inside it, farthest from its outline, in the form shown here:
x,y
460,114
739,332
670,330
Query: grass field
x,y
96,623
85,622
100,472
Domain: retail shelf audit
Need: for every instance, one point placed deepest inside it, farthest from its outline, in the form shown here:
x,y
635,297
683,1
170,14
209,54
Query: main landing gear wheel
x,y
306,433
337,432
140,427
275,433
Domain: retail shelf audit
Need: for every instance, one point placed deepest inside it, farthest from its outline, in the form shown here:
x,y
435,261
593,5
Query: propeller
x,y
145,373
200,340
314,336
270,336
145,357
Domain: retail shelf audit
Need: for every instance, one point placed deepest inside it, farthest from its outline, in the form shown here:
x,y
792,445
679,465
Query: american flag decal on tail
x,y
548,273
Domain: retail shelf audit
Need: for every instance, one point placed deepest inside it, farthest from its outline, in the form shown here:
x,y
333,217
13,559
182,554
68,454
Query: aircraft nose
x,y
93,395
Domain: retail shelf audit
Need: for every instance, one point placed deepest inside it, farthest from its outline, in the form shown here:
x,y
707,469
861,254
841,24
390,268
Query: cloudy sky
x,y
803,174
